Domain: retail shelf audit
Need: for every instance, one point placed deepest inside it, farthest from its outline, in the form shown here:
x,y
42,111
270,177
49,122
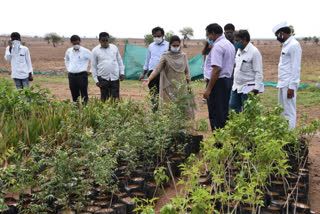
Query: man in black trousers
x,y
77,60
107,68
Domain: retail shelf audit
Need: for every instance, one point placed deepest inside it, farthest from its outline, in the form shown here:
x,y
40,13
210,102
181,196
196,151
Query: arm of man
x,y
214,77
89,58
121,65
146,65
7,55
295,55
29,65
216,63
94,68
67,60
258,70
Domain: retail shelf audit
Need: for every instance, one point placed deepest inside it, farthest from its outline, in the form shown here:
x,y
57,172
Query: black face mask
x,y
230,37
280,39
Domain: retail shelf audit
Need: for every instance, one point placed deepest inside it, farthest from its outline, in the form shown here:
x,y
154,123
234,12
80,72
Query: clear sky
x,y
135,18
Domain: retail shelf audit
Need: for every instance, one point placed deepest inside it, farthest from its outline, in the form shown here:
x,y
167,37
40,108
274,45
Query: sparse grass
x,y
307,97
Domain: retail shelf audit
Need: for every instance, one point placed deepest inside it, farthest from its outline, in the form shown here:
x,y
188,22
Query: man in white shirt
x,y
107,68
77,60
248,74
19,57
288,71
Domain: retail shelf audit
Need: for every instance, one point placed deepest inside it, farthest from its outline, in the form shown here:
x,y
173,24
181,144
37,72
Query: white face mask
x,y
175,49
16,43
76,47
158,40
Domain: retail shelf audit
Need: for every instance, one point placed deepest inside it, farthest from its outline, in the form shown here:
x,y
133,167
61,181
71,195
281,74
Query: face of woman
x,y
175,44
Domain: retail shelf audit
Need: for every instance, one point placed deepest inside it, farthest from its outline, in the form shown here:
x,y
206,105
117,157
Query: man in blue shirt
x,y
155,51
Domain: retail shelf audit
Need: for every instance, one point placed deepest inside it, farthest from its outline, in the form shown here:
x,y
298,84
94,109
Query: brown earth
x,y
46,58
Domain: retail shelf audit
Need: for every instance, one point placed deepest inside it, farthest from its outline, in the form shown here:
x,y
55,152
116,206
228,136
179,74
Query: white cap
x,y
279,26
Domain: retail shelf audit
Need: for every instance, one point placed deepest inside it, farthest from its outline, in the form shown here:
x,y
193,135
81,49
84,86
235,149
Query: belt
x,y
77,74
101,79
251,84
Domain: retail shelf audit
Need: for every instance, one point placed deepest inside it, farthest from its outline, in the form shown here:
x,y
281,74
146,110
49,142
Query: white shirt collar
x,y
287,41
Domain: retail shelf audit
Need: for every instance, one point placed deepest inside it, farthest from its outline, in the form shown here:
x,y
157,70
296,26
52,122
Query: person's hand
x,y
206,94
210,46
290,93
141,77
30,77
145,83
255,91
122,77
98,84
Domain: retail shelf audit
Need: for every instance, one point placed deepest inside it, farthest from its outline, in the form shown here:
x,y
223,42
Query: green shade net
x,y
134,58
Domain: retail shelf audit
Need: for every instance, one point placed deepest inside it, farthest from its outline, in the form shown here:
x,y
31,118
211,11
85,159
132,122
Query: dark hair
x,y
156,29
15,36
243,34
286,30
173,39
214,28
74,38
103,34
229,26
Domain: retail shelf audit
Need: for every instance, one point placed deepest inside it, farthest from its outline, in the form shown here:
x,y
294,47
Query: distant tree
x,y
292,30
148,39
112,39
53,38
305,39
186,33
315,40
168,35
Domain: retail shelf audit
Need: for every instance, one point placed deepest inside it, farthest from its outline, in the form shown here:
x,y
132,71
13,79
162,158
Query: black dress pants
x,y
78,84
218,103
109,88
154,87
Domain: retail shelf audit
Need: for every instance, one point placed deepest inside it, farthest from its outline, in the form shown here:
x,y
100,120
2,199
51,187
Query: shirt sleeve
x,y
257,69
120,63
217,56
94,69
7,55
28,61
146,64
295,55
67,60
159,67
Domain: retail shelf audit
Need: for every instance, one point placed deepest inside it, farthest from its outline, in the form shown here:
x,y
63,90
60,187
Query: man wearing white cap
x,y
288,71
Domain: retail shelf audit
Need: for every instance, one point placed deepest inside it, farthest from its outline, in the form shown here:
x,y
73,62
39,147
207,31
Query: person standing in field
x,y
107,68
19,57
174,72
77,60
155,51
229,32
288,71
218,69
248,74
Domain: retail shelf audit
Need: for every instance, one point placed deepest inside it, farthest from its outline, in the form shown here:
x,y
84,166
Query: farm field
x,y
45,58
